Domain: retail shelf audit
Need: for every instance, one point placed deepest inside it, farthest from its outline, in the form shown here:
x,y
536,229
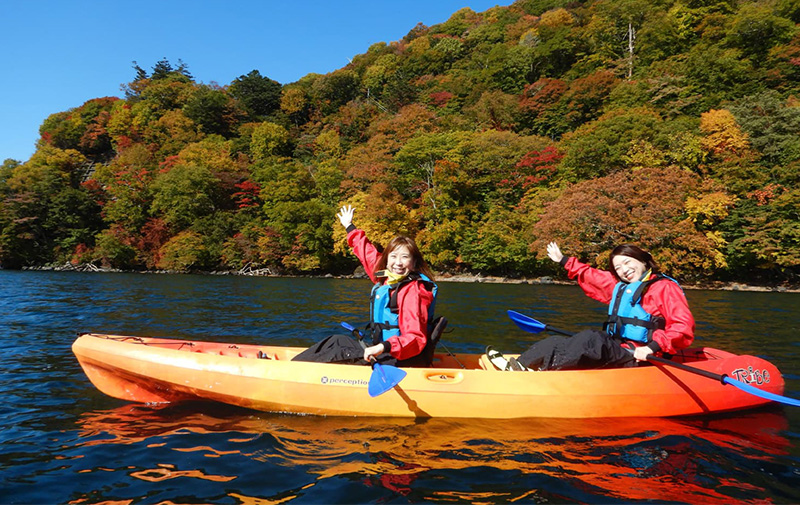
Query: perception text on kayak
x,y
350,382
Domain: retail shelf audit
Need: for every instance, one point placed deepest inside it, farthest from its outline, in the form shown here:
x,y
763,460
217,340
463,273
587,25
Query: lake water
x,y
65,442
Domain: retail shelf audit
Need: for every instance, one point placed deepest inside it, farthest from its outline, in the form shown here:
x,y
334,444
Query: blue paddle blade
x,y
384,378
526,323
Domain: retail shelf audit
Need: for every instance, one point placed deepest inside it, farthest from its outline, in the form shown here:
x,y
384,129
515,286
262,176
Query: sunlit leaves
x,y
495,110
709,209
333,90
114,249
416,161
126,182
439,243
695,154
183,194
645,207
293,101
498,245
165,94
82,128
183,252
599,148
268,139
717,74
380,213
328,143
722,133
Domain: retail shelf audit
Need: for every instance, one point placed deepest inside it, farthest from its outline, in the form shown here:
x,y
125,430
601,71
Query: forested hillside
x,y
673,124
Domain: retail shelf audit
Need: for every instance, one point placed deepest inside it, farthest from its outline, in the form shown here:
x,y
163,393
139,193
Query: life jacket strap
x,y
386,319
395,290
656,323
615,323
376,331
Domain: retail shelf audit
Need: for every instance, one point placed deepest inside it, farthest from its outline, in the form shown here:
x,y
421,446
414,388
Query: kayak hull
x,y
153,370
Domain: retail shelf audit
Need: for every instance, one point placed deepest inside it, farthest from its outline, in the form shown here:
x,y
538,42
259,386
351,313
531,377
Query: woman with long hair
x,y
647,313
402,303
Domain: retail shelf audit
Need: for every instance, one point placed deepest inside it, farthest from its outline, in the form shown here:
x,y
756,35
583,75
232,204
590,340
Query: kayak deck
x,y
154,370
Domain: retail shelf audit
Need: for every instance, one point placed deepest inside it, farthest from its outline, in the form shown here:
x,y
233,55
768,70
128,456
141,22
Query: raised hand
x,y
554,252
345,215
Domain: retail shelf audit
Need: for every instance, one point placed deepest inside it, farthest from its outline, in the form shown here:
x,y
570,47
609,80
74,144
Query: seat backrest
x,y
425,358
439,324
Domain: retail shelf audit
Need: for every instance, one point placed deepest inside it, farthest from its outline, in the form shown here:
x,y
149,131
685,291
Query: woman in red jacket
x,y
648,313
401,304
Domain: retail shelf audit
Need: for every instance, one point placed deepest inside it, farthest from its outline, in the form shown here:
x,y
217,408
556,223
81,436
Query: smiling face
x,y
628,269
400,261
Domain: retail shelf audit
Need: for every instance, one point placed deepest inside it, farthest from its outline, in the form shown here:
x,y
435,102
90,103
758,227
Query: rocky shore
x,y
440,277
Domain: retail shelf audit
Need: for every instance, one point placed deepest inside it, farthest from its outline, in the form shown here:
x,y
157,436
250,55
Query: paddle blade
x,y
384,378
526,323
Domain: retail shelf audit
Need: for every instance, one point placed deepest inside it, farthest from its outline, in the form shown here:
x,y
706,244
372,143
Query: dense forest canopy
x,y
673,124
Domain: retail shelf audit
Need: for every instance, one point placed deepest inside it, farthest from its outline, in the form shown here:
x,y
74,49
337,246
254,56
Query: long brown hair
x,y
634,252
420,265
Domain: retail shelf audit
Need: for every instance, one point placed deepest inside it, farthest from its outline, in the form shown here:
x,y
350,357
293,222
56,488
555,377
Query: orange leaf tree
x,y
645,207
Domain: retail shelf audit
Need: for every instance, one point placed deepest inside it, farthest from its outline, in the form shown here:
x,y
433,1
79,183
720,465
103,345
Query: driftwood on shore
x,y
249,270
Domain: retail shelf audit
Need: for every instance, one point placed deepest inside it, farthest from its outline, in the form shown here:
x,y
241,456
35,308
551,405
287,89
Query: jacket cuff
x,y
563,261
387,346
654,346
350,228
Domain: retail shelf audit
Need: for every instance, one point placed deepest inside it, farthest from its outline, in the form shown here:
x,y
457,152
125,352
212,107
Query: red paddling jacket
x,y
663,299
413,301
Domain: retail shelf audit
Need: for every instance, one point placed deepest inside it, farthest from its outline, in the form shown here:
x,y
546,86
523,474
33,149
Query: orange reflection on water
x,y
484,498
166,472
107,502
625,459
213,452
252,500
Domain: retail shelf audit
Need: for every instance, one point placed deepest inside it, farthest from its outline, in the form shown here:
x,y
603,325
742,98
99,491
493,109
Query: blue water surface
x,y
64,442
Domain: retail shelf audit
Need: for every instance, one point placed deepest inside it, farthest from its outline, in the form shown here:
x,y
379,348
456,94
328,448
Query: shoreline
x,y
440,277
709,285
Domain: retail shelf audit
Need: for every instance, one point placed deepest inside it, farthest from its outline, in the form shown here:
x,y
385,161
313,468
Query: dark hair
x,y
402,241
634,252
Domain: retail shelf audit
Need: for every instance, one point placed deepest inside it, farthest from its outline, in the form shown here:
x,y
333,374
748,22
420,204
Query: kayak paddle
x,y
356,333
747,388
533,326
383,377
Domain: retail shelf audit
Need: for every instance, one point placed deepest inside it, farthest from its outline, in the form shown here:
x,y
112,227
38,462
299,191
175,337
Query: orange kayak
x,y
155,370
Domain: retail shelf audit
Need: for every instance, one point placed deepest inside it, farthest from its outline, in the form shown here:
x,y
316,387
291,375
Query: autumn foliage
x,y
485,137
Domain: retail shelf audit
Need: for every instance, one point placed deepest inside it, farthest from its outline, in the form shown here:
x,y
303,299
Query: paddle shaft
x,y
547,327
350,327
532,325
724,379
691,369
663,361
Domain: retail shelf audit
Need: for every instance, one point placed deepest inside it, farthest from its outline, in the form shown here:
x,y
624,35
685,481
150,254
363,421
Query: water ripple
x,y
64,442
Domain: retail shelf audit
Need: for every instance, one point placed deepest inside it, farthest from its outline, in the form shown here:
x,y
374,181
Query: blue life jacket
x,y
627,318
384,312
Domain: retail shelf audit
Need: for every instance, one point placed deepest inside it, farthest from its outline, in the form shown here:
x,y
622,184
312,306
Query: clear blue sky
x,y
56,54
